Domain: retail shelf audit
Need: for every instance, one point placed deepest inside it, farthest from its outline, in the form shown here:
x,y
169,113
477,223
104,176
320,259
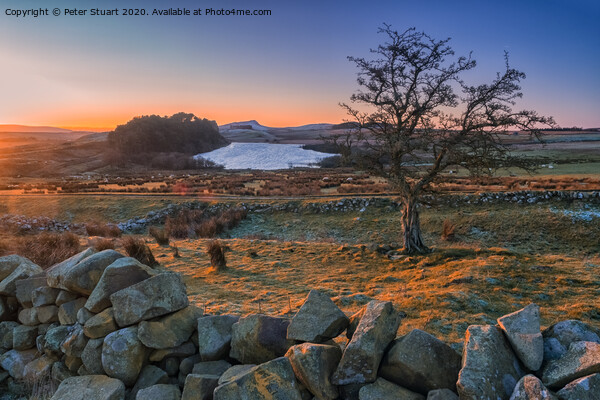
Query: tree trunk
x,y
413,241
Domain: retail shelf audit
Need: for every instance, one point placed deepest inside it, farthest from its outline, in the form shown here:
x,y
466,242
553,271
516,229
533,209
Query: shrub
x,y
217,255
96,228
100,244
448,230
160,235
47,249
138,249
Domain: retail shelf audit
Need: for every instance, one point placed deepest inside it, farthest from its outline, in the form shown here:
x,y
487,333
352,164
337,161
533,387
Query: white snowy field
x,y
265,156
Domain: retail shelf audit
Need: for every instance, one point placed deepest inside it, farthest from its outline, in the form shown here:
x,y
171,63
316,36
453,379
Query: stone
x,y
530,387
522,328
272,380
24,337
259,338
558,337
420,362
313,365
384,390
53,340
121,274
37,369
44,295
123,355
100,324
187,364
47,314
90,387
28,316
83,315
170,365
67,312
360,361
214,336
83,371
25,269
9,263
149,376
162,392
60,372
65,296
581,359
83,277
318,320
199,387
171,330
74,342
490,368
14,361
73,364
91,357
154,297
6,333
442,394
185,350
211,368
26,287
54,273
7,312
235,371
586,388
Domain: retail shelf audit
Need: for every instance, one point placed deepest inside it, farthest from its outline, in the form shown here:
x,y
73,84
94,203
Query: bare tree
x,y
411,124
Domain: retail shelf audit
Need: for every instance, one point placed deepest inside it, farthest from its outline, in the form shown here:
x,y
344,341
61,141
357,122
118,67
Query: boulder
x,y
154,297
354,321
100,324
29,316
74,342
91,356
24,337
54,273
522,328
47,314
313,365
83,315
23,269
586,388
67,312
73,364
121,274
8,308
362,356
162,392
211,367
123,355
14,361
490,369
214,336
235,371
171,330
60,372
581,359
273,380
199,387
384,390
6,333
185,350
558,337
26,287
318,320
259,338
442,394
53,340
420,362
37,369
530,387
187,364
90,387
44,295
65,296
149,376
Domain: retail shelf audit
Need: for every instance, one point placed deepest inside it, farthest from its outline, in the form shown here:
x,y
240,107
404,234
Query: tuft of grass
x,y
216,251
196,223
448,230
97,228
160,235
47,249
138,249
100,244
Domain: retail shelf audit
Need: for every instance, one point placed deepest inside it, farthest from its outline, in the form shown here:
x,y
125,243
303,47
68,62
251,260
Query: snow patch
x,y
264,156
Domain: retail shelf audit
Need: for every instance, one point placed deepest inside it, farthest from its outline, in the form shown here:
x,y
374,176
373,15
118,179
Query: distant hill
x,y
33,129
256,126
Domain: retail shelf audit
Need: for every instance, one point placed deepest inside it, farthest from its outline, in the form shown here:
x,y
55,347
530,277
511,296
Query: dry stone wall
x,y
105,327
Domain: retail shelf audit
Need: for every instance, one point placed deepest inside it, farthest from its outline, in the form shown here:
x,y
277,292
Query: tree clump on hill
x,y
164,142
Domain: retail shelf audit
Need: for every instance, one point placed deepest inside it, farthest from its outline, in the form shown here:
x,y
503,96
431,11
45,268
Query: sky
x,y
286,69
